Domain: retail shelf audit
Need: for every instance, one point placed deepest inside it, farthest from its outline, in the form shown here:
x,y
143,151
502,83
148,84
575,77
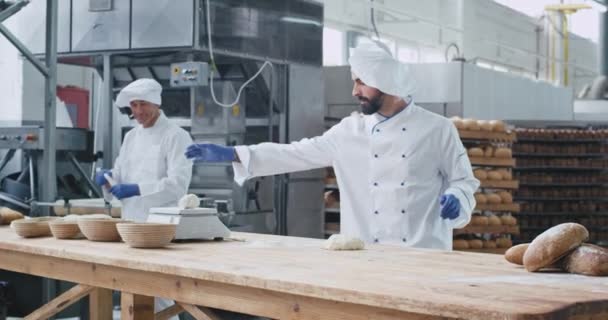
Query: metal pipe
x,y
50,114
14,8
108,96
30,156
49,187
566,49
603,44
24,50
84,175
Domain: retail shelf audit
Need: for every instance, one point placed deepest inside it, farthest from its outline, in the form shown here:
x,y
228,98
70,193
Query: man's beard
x,y
371,106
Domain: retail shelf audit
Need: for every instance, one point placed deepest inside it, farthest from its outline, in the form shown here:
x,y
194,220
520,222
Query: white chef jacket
x,y
154,159
391,172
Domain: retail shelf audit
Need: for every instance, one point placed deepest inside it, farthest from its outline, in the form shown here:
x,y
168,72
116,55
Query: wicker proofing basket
x,y
31,228
100,230
65,229
146,235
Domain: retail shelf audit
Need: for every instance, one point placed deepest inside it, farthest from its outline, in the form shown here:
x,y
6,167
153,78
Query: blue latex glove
x,y
100,180
450,206
207,152
125,190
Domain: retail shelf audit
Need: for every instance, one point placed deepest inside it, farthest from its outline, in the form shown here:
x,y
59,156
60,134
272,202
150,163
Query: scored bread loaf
x,y
515,254
8,215
480,198
460,244
493,198
480,174
503,153
553,244
494,175
475,152
587,259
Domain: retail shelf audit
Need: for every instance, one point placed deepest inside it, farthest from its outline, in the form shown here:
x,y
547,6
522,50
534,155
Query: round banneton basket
x,y
34,227
100,229
146,235
62,229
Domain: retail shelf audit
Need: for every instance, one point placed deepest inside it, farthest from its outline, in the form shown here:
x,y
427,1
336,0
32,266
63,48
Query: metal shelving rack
x,y
475,138
542,211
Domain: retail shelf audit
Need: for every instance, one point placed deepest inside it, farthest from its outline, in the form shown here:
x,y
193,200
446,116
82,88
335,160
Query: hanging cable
x,y
213,66
373,19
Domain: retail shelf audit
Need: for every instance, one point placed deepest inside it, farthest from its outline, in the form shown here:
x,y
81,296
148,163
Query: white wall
x,y
482,29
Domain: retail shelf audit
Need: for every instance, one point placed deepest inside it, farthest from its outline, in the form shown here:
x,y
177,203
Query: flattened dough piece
x,y
343,242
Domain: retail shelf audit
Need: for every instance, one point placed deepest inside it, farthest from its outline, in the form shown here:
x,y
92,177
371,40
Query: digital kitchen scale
x,y
196,223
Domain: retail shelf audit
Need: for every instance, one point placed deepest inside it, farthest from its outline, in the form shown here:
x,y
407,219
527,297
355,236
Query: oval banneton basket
x,y
100,229
146,235
62,229
32,228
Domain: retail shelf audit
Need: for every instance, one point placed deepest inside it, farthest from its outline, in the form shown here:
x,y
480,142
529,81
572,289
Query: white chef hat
x,y
377,68
141,89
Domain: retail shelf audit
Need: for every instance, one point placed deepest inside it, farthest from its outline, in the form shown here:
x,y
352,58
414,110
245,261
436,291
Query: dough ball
x,y
343,242
189,201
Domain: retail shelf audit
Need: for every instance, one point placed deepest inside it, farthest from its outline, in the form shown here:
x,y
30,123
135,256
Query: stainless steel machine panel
x,y
286,30
31,138
208,118
31,26
162,23
100,30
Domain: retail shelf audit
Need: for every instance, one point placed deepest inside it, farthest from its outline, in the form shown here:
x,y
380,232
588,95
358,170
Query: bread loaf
x,y
8,215
504,243
505,197
480,198
553,244
470,124
489,244
493,198
484,125
480,174
494,221
587,259
508,220
503,153
516,254
494,175
475,152
475,244
506,174
488,152
458,123
498,126
460,244
479,220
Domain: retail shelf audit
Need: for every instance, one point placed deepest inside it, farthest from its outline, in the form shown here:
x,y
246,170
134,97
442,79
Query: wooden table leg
x,y
61,302
199,313
100,304
136,307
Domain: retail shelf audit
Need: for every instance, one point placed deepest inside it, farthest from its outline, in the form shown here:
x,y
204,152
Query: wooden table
x,y
292,278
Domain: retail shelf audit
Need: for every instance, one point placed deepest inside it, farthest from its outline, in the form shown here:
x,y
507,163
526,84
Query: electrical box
x,y
189,74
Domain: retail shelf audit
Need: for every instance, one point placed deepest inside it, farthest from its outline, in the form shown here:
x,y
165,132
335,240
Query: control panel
x,y
189,74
